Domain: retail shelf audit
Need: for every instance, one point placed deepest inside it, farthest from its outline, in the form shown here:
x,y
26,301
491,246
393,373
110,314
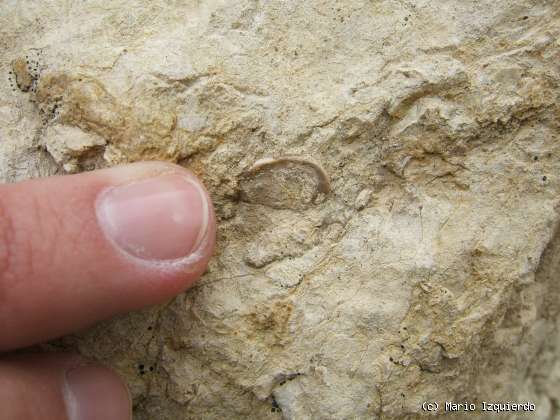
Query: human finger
x,y
76,249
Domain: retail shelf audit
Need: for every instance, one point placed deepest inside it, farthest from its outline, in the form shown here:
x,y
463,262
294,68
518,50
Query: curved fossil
x,y
284,182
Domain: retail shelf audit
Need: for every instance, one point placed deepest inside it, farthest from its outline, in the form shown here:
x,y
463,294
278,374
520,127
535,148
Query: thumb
x,y
60,386
76,249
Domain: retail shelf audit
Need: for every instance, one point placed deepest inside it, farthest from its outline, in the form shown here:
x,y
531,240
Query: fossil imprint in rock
x,y
285,182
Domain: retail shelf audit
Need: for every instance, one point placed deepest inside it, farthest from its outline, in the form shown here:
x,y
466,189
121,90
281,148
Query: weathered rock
x,y
427,271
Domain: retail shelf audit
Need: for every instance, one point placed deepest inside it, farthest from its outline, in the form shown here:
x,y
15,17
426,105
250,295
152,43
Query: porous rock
x,y
428,271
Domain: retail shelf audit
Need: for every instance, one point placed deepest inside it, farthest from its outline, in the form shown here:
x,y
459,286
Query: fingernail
x,y
96,392
160,218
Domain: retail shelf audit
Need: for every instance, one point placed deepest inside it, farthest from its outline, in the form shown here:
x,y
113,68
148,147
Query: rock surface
x,y
410,253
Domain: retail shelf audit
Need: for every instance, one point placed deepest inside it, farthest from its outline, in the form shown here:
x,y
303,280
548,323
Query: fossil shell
x,y
285,182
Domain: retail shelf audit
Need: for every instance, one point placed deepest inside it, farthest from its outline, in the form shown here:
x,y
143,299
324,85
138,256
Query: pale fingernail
x,y
160,218
96,392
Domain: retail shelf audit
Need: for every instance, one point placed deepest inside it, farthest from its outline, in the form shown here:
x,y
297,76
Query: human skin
x,y
77,249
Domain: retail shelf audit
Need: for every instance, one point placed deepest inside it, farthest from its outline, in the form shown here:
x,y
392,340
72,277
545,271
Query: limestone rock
x,y
426,271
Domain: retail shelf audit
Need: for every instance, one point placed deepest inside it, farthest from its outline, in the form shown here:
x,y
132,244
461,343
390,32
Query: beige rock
x,y
427,271
69,145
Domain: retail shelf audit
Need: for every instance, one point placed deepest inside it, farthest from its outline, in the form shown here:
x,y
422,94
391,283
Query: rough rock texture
x,y
402,247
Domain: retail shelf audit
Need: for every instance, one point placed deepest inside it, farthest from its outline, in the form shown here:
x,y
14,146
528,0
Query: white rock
x,y
342,307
